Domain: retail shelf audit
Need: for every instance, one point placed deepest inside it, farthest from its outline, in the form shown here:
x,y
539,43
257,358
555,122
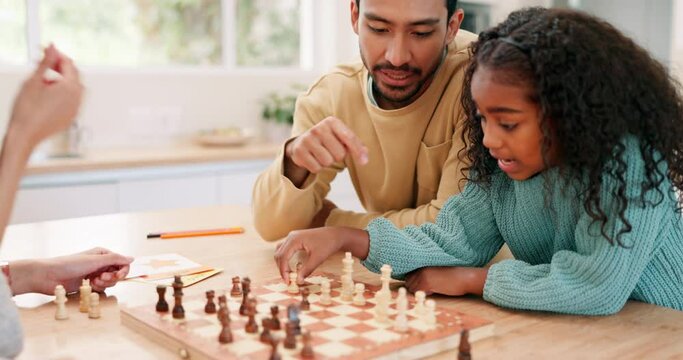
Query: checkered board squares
x,y
340,330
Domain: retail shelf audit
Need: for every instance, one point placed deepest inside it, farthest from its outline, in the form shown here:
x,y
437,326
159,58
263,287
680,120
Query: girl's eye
x,y
508,127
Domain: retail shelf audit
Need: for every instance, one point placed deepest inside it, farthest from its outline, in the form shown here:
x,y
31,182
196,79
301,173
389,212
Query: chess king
x,y
391,119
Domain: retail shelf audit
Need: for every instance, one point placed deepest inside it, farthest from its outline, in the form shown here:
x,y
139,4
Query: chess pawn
x,y
236,291
162,305
94,311
225,336
265,334
293,287
251,326
347,288
307,349
178,310
419,303
430,312
381,311
60,300
305,305
274,319
85,290
274,355
359,298
325,298
210,307
401,322
464,349
290,337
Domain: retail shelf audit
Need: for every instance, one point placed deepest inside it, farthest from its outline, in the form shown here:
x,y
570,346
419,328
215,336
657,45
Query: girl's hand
x,y
318,245
452,281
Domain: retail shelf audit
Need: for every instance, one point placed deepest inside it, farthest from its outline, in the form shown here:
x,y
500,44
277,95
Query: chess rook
x,y
162,305
85,291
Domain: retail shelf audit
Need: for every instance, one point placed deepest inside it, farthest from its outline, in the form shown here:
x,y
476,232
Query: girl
x,y
576,148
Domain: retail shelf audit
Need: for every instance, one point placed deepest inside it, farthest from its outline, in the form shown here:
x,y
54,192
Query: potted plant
x,y
278,113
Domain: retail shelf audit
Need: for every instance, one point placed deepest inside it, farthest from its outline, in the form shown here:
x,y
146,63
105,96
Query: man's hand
x,y
327,142
452,281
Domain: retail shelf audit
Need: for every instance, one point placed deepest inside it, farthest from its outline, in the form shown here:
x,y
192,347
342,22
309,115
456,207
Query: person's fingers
x,y
313,260
49,61
351,141
321,154
68,69
307,161
335,148
123,272
291,246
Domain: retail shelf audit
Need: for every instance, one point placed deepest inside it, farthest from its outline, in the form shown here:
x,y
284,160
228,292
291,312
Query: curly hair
x,y
601,85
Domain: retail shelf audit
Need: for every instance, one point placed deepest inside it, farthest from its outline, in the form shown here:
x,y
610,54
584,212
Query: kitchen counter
x,y
145,157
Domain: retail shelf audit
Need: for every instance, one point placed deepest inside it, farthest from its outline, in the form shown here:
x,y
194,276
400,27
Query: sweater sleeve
x,y
596,278
11,336
274,195
464,234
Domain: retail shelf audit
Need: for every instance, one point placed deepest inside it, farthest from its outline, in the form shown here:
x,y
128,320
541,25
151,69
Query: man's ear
x,y
454,25
355,14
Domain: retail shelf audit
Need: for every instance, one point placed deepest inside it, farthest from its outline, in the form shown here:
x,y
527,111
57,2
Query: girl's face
x,y
510,121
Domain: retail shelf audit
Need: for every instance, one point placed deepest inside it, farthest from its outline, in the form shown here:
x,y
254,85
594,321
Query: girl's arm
x,y
465,234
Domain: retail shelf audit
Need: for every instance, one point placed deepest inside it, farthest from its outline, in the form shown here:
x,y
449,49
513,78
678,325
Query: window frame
x,y
307,48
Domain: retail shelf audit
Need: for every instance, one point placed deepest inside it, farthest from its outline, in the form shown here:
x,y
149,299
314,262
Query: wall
x,y
677,41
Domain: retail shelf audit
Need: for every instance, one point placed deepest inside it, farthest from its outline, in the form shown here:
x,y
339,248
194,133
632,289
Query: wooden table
x,y
638,331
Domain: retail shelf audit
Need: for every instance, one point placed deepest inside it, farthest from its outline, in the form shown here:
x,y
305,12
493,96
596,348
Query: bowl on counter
x,y
224,137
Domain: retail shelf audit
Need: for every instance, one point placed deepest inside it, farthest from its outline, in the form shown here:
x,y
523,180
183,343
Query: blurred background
x,y
163,74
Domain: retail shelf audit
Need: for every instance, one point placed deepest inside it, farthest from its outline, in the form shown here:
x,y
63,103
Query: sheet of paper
x,y
165,265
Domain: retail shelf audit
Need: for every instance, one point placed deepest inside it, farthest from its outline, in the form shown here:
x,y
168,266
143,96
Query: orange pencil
x,y
193,233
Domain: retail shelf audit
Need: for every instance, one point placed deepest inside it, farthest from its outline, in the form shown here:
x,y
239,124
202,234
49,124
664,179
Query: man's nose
x,y
398,51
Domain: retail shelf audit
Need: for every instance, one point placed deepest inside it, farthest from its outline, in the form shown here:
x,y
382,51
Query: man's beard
x,y
400,95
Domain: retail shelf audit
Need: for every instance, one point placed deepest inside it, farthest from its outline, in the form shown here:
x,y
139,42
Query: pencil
x,y
193,233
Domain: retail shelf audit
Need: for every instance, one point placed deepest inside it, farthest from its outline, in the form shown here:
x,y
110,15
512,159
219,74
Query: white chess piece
x,y
347,288
385,292
325,298
94,312
347,270
430,312
419,304
60,300
359,298
293,287
381,310
85,290
401,323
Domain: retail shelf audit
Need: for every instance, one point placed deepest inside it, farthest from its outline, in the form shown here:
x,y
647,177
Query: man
x,y
392,120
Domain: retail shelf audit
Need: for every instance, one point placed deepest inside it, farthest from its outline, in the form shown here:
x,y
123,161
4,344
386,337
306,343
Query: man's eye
x,y
377,30
424,34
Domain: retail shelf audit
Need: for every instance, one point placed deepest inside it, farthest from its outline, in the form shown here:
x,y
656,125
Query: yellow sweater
x,y
413,152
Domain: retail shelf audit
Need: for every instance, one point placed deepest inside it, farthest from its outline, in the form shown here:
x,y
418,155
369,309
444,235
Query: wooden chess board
x,y
340,330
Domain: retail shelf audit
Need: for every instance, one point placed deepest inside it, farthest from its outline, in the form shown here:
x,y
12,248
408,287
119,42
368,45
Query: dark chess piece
x,y
307,349
251,326
305,305
225,336
293,316
265,334
236,291
210,307
274,319
223,311
290,337
162,305
246,289
178,310
464,348
274,355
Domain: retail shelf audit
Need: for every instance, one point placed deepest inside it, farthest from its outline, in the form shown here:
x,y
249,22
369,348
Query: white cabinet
x,y
159,194
59,202
59,196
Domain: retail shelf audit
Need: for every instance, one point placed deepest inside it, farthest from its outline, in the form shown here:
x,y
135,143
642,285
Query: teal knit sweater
x,y
562,263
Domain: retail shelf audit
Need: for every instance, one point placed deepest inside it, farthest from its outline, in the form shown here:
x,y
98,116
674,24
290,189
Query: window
x,y
128,33
13,44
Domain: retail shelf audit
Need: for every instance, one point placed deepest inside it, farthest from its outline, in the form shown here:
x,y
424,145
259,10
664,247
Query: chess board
x,y
340,330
